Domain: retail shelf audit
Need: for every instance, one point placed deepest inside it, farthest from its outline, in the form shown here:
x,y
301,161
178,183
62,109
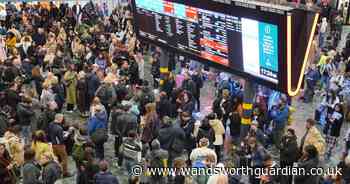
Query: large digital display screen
x,y
241,43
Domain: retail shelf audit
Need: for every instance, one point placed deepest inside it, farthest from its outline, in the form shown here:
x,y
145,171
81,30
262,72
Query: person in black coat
x,y
332,128
26,49
308,161
123,121
169,84
198,80
25,114
223,106
189,85
289,152
171,138
164,107
6,175
12,97
187,122
39,37
93,83
185,103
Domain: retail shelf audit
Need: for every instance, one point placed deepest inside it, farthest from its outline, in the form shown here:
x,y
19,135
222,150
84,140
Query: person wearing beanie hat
x,y
157,158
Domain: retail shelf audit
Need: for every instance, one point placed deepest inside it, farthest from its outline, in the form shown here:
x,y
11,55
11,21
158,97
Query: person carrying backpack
x,y
157,158
131,151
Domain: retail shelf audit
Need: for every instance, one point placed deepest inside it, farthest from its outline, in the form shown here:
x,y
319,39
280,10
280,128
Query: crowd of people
x,y
73,79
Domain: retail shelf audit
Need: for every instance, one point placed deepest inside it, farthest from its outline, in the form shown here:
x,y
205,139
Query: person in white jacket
x,y
322,32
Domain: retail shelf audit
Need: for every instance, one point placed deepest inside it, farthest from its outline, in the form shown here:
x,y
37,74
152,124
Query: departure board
x,y
241,43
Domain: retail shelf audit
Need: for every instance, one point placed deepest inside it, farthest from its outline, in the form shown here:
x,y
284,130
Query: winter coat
x,y
107,94
16,147
345,171
333,127
51,172
280,117
82,95
289,150
93,82
12,98
151,128
168,86
315,138
98,121
187,107
105,178
307,165
172,138
44,120
190,86
219,131
6,176
25,114
198,80
124,123
71,83
31,173
165,108
55,134
190,141
41,148
222,108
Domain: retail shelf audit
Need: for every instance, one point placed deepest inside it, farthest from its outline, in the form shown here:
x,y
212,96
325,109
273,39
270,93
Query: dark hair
x,y
292,131
16,129
311,151
311,121
29,154
211,116
132,134
6,153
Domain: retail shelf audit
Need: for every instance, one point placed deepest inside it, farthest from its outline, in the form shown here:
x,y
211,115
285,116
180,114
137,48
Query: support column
x,y
248,100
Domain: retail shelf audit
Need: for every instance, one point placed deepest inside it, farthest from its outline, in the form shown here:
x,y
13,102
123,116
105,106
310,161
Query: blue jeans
x,y
26,133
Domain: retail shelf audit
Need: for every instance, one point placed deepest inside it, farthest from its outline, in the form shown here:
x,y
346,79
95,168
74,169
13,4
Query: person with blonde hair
x,y
47,95
82,96
41,146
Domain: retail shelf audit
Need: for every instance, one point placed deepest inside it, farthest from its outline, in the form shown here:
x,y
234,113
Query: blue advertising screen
x,y
241,43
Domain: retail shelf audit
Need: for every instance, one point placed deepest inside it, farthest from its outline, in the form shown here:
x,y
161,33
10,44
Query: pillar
x,y
248,100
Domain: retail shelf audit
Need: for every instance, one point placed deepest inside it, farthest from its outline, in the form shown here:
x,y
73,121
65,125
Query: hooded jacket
x,y
98,121
25,114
